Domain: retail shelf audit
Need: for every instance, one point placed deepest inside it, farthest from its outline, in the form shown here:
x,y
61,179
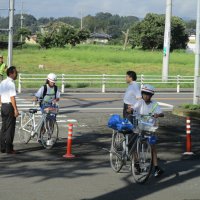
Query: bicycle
x,y
134,147
45,131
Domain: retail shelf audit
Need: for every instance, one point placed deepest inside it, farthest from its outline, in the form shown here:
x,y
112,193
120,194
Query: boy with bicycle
x,y
146,106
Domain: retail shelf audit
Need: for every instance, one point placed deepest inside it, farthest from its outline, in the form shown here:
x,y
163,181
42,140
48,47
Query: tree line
x,y
147,33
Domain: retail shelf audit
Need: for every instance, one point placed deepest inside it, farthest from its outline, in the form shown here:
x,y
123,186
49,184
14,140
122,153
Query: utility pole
x,y
167,38
197,54
21,18
126,38
10,35
81,18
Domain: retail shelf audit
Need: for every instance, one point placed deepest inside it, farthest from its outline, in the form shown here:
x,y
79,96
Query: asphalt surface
x,y
112,101
39,174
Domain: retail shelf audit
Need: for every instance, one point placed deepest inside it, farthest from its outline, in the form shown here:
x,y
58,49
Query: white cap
x,y
148,88
52,77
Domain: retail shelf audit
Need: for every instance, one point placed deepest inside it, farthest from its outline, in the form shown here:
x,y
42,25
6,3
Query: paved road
x,y
38,174
111,101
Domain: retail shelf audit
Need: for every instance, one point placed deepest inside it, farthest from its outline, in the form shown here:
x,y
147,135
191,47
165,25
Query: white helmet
x,y
52,77
148,89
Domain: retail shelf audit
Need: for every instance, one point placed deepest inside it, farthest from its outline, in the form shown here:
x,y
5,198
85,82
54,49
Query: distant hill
x,y
101,23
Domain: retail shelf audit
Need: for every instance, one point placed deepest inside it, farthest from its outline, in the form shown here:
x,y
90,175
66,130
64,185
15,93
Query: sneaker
x,y
3,151
137,168
12,152
158,172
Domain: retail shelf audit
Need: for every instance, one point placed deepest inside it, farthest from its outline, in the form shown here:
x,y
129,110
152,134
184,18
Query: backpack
x,y
45,91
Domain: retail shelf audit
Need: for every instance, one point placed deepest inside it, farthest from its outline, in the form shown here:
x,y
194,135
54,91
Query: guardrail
x,y
103,80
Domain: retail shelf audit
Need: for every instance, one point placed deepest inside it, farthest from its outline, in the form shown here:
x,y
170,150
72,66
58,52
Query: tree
x,y
82,34
149,33
89,23
25,32
109,24
59,34
178,33
100,23
191,27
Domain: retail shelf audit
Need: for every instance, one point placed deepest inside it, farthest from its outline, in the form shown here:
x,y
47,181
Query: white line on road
x,y
87,109
165,104
118,93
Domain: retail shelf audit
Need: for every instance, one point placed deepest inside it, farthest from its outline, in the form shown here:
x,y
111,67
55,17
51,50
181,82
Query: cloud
x,y
58,8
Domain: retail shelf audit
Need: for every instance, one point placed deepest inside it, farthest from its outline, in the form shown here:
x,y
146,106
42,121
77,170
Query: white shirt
x,y
144,109
132,93
7,90
50,95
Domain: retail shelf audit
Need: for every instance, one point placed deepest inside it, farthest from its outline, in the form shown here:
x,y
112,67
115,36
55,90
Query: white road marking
x,y
119,93
165,104
25,105
28,104
87,109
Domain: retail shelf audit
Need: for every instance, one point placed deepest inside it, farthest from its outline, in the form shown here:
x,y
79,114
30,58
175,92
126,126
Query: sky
x,y
60,8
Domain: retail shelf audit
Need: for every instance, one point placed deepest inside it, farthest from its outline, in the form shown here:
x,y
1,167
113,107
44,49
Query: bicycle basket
x,y
51,116
145,126
50,108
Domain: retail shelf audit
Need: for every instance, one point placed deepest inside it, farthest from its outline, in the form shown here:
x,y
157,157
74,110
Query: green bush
x,y
67,85
191,106
82,85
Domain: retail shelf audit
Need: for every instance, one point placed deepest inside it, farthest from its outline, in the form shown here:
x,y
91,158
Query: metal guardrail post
x,y
142,80
103,83
63,84
178,83
19,84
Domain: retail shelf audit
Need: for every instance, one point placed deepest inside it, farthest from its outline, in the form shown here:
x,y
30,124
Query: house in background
x,y
31,39
98,38
191,46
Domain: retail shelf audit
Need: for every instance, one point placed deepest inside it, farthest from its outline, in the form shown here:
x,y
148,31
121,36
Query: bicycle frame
x,y
36,127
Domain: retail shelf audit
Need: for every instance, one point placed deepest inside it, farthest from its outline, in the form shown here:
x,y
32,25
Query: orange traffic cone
x,y
188,138
69,143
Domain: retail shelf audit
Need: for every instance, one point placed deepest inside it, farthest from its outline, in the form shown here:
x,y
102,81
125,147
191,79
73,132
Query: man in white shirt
x,y
9,111
132,94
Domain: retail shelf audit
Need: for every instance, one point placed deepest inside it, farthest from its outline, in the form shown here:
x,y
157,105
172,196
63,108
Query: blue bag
x,y
152,139
113,121
117,123
125,125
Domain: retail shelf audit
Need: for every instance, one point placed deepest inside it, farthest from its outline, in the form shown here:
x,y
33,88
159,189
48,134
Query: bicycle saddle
x,y
33,111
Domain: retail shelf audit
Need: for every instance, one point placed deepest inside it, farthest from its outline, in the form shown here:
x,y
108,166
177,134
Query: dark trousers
x,y
8,127
126,114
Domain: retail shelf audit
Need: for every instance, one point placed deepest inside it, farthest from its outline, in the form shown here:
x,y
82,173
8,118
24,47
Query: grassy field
x,y
91,59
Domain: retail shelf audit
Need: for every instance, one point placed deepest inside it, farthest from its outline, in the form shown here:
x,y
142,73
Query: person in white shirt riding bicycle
x,y
147,106
48,94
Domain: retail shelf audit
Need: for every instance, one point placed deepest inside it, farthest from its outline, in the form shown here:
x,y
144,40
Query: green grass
x,y
91,59
191,106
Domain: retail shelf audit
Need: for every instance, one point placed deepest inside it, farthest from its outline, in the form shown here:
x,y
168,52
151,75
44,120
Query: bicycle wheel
x,y
25,127
116,151
142,161
49,133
